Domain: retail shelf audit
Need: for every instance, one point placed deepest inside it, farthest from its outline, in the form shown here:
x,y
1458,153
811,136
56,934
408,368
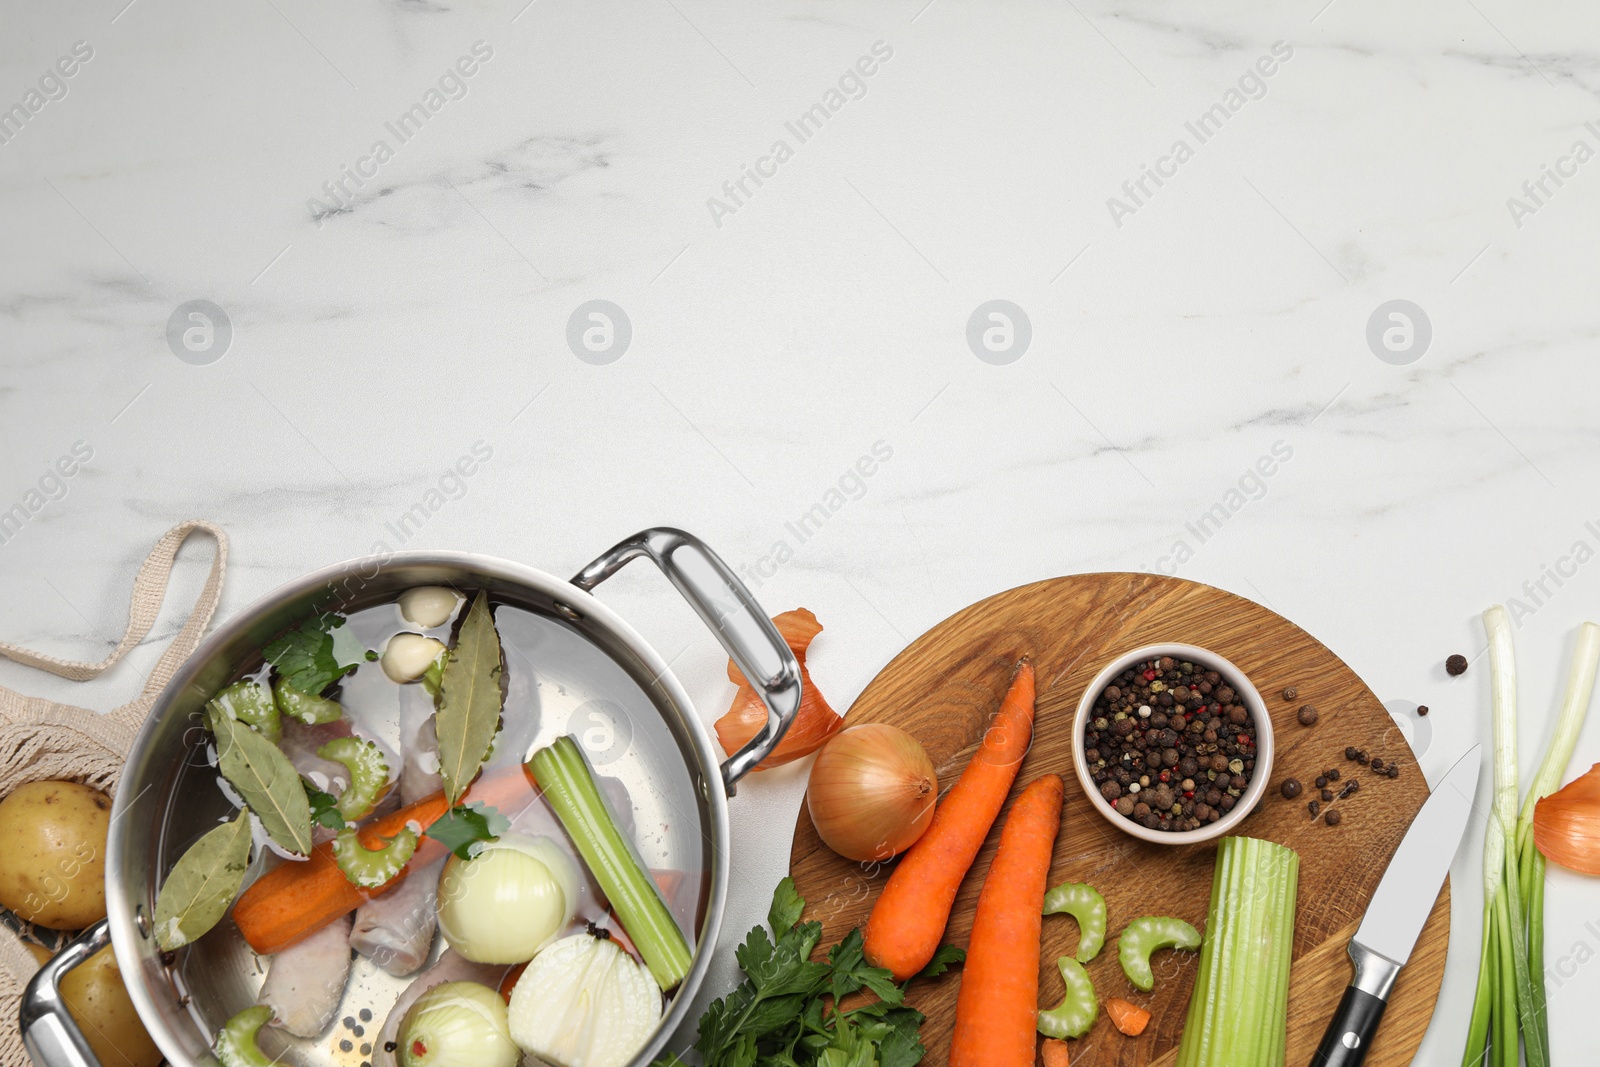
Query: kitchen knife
x,y
1397,912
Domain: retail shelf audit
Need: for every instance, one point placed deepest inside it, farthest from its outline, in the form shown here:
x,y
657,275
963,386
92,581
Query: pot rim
x,y
134,947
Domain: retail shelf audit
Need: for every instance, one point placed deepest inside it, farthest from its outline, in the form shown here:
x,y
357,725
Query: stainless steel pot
x,y
167,796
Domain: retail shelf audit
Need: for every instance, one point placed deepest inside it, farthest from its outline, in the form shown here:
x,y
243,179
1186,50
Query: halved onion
x,y
1566,824
816,720
872,792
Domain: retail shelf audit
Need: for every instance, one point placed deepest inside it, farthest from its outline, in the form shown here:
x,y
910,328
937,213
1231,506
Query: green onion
x,y
568,785
1239,1011
1511,974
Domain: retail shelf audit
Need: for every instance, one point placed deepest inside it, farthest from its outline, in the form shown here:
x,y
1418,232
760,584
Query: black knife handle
x,y
1351,1031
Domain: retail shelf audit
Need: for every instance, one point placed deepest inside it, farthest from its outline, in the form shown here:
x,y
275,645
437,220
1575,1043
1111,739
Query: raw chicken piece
x,y
305,982
300,743
419,775
396,930
449,968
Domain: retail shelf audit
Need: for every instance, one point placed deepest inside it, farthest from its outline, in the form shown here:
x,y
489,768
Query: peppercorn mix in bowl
x,y
1172,744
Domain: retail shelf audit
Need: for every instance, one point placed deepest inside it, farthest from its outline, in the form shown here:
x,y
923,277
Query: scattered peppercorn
x,y
1327,794
1322,781
1377,764
1456,664
1332,773
1333,818
1307,715
1349,787
346,1045
1290,692
1350,753
389,1046
366,1015
1422,709
1290,788
1394,771
1313,808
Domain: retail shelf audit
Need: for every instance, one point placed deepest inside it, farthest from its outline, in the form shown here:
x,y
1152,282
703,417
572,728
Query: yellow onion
x,y
1566,824
872,792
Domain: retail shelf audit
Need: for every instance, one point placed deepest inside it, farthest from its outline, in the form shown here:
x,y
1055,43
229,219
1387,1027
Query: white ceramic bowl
x,y
1259,778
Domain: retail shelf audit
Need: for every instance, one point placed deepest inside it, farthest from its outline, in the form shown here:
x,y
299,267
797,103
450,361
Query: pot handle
x,y
719,598
49,1032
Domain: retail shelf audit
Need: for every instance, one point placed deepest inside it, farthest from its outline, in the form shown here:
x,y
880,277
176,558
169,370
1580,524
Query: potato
x,y
53,854
94,992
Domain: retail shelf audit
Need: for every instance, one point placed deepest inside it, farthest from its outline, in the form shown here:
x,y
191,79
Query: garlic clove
x,y
428,606
407,656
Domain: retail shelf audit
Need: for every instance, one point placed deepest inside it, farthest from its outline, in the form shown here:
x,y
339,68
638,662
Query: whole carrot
x,y
296,899
997,1006
907,922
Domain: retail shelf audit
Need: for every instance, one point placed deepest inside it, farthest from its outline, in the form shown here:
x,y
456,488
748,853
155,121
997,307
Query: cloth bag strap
x,y
42,740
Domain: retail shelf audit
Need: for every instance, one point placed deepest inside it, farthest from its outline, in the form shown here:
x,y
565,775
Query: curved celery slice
x,y
568,785
1146,935
236,1041
369,775
303,707
1239,1010
370,868
1078,1007
251,703
1085,904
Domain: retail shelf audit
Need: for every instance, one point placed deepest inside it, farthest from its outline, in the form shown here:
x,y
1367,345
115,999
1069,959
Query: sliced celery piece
x,y
303,707
1076,1013
1085,904
1143,937
369,775
372,867
236,1041
251,703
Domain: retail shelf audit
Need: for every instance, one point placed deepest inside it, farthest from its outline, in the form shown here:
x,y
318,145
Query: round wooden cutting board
x,y
945,686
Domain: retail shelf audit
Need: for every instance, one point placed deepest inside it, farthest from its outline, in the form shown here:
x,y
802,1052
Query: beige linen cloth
x,y
41,740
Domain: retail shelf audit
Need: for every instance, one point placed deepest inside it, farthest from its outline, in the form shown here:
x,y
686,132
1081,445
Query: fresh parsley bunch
x,y
786,1013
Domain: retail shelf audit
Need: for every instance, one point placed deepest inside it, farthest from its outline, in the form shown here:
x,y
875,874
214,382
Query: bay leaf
x,y
470,699
266,780
204,881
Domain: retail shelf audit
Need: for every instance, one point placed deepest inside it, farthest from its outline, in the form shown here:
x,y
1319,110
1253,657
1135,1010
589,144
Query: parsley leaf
x,y
786,1012
851,972
946,957
786,906
466,828
316,654
324,807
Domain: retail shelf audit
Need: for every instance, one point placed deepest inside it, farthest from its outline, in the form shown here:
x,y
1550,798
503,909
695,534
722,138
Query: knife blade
x,y
1398,911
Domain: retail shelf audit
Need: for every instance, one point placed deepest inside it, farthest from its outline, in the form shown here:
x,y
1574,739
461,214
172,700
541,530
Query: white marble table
x,y
1200,214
